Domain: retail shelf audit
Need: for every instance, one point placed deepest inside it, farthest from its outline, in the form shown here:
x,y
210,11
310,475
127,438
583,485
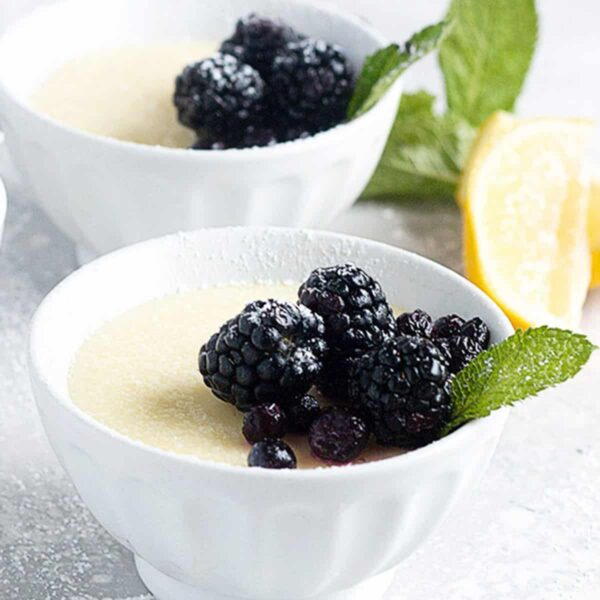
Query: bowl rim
x,y
264,152
457,438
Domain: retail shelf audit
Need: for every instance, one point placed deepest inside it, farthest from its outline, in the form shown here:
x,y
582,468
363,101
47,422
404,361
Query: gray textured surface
x,y
531,531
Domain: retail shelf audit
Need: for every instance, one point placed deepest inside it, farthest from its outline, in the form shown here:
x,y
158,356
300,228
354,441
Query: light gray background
x,y
531,531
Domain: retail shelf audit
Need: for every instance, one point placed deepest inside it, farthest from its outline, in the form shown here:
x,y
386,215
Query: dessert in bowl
x,y
156,395
104,192
267,83
137,104
200,527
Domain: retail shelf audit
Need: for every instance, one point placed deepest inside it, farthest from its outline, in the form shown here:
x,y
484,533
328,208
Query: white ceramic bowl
x,y
105,193
201,530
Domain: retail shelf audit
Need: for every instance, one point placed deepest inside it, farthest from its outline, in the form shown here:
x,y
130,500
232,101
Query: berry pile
x,y
385,377
267,84
458,340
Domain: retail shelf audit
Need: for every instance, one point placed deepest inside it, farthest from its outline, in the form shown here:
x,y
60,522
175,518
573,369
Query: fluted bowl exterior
x,y
253,533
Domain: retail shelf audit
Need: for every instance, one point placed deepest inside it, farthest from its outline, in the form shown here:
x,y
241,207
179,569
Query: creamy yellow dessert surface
x,y
138,374
123,93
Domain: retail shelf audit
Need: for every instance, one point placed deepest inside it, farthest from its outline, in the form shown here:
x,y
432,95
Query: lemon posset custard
x,y
124,93
138,374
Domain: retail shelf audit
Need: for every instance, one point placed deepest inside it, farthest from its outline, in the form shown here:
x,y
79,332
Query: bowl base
x,y
164,587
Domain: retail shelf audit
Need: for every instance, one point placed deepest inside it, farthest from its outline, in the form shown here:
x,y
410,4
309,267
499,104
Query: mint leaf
x,y
521,366
424,154
486,56
382,62
382,68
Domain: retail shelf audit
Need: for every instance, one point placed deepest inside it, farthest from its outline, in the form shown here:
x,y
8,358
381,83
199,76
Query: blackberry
x,y
270,352
219,94
355,310
301,413
272,454
311,84
338,435
417,322
257,39
478,331
404,387
357,318
447,326
266,421
460,341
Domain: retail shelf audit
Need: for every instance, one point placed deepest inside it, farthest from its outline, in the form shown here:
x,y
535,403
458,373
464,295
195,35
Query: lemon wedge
x,y
524,194
594,226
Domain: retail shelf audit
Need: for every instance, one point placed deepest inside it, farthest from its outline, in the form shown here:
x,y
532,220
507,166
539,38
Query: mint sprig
x,y
383,68
521,366
424,154
484,57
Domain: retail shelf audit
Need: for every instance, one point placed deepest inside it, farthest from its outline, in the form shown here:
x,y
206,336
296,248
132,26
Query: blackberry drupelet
x,y
460,341
417,322
311,84
301,413
271,352
288,133
256,40
233,46
206,143
266,421
462,351
254,136
219,94
338,435
478,331
447,326
357,318
404,387
443,345
272,454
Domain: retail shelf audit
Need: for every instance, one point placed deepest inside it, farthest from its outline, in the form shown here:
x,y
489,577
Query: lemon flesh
x,y
594,226
524,195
